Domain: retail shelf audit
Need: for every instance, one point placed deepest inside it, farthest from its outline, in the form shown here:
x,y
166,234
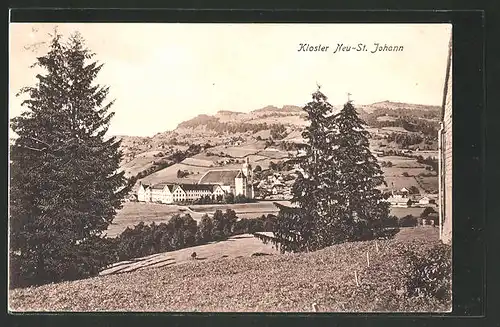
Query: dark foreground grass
x,y
272,283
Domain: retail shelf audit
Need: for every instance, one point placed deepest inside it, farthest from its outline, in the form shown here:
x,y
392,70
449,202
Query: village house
x,y
404,192
424,201
445,157
277,189
399,201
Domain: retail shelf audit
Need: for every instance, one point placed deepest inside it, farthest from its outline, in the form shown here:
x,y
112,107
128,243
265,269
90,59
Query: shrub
x,y
241,226
408,221
386,285
240,198
229,198
255,225
204,231
223,224
143,240
414,190
427,211
269,222
405,174
230,219
182,173
390,221
429,274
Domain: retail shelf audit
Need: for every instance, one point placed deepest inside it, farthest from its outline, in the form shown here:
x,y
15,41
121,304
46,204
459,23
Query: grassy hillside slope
x,y
272,283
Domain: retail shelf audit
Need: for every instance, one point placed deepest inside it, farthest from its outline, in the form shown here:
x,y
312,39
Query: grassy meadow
x,y
227,278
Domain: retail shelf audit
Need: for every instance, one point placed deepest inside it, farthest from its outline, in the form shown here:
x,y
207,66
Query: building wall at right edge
x,y
447,151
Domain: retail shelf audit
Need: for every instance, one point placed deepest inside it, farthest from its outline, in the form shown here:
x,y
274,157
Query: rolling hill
x,y
226,131
229,278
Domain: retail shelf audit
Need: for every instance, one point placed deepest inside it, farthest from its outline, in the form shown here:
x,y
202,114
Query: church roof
x,y
221,177
196,187
393,199
161,186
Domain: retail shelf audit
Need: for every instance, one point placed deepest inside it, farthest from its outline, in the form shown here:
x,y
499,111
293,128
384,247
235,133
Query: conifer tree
x,y
359,175
335,197
65,185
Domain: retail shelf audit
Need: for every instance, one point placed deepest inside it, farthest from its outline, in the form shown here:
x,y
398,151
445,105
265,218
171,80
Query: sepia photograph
x,y
244,167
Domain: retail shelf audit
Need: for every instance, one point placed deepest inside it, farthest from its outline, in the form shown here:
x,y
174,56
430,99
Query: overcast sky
x,y
163,74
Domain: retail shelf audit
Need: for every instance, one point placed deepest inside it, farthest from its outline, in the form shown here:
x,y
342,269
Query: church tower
x,y
247,171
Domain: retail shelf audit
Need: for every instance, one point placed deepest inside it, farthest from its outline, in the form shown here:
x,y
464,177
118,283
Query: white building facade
x,y
214,184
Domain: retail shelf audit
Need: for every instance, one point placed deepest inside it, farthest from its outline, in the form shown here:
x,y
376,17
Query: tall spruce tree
x,y
65,186
335,197
363,204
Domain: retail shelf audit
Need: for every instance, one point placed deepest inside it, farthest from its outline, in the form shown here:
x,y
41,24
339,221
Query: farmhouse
x,y
445,157
236,181
424,201
404,192
399,201
277,188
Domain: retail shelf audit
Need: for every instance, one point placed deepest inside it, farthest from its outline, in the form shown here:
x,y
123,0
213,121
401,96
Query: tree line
x,y
183,231
405,139
401,112
410,123
214,124
176,157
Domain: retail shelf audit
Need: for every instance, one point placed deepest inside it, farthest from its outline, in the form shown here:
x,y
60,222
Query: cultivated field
x,y
403,162
429,184
401,212
169,174
139,163
398,182
396,171
395,179
258,206
271,283
395,129
133,213
243,210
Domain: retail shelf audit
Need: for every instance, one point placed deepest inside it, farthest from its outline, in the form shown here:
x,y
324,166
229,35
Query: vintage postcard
x,y
230,167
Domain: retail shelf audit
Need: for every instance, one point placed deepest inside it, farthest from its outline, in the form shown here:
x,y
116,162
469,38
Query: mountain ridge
x,y
231,128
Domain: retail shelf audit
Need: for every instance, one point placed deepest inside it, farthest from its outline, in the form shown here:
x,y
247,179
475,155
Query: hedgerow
x,y
182,232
